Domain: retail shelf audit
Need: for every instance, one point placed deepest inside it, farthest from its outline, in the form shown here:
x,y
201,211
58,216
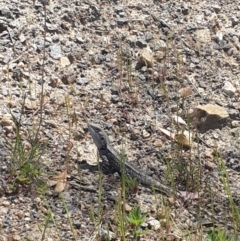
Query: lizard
x,y
112,159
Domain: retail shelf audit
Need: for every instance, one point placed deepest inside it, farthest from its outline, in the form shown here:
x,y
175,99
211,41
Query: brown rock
x,y
146,58
208,117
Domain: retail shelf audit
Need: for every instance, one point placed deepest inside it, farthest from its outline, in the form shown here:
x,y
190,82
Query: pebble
x,y
145,134
82,81
122,21
229,89
235,123
55,51
155,224
64,61
6,203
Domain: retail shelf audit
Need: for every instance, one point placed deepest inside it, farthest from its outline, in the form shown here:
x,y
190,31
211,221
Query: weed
x,y
135,219
218,235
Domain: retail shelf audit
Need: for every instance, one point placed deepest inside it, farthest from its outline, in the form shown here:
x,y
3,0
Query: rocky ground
x,y
132,67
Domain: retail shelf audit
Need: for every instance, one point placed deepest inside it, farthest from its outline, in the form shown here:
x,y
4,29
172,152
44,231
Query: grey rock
x,y
107,235
52,27
4,42
216,8
55,38
122,21
114,90
234,114
235,21
185,9
154,224
82,81
55,51
113,24
8,56
229,89
148,36
141,43
6,13
122,14
119,9
115,99
195,60
80,40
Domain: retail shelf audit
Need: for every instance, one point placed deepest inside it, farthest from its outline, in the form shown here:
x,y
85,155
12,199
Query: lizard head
x,y
99,136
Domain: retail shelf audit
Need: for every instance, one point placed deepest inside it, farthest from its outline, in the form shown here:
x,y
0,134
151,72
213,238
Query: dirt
x,y
129,66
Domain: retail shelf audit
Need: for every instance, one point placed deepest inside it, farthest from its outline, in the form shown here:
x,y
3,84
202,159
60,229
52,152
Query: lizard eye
x,y
97,129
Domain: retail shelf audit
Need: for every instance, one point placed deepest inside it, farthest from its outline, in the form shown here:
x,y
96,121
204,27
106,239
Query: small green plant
x,y
218,235
135,219
224,177
25,164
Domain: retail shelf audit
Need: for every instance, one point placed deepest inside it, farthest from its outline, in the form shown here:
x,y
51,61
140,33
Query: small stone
x,y
20,214
22,38
154,224
158,143
216,8
145,59
30,104
52,27
203,35
4,210
229,89
6,203
115,99
128,208
55,51
119,9
64,61
122,21
27,214
234,114
37,200
68,78
209,165
235,21
236,105
134,135
80,40
16,238
6,120
114,90
82,81
141,43
235,123
54,81
145,134
148,36
107,235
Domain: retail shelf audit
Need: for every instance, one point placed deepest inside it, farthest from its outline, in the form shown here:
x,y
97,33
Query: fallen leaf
x,y
60,181
184,138
178,120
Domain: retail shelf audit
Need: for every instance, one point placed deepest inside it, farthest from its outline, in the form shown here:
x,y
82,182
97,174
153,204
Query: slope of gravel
x,y
92,68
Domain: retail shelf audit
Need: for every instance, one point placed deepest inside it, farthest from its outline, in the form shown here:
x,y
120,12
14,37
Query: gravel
x,y
92,74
